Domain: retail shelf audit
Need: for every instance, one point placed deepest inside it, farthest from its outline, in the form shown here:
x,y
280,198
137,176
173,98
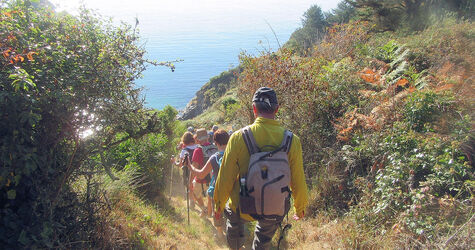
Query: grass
x,y
321,232
161,223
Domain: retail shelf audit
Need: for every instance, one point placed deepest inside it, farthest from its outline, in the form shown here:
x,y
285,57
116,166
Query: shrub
x,y
422,108
66,92
410,173
231,107
343,40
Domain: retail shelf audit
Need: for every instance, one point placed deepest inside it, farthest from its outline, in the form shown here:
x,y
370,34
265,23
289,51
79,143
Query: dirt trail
x,y
177,198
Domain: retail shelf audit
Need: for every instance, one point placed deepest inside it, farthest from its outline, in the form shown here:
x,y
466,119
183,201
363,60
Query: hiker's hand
x,y
296,217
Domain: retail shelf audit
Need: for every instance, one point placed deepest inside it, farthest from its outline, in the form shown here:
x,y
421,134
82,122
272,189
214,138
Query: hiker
x,y
220,138
200,157
211,133
245,203
195,138
188,146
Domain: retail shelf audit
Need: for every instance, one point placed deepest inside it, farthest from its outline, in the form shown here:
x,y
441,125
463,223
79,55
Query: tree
x,y
342,14
313,29
415,14
62,77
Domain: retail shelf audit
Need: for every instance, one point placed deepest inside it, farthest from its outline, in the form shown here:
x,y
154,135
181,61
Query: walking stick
x,y
187,197
188,203
186,180
171,179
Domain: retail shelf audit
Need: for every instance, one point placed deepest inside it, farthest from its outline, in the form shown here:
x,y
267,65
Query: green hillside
x,y
385,112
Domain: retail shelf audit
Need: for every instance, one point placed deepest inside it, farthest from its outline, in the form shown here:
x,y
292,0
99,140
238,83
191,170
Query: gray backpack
x,y
264,191
208,151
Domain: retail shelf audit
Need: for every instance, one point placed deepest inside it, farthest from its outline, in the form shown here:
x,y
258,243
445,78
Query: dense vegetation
x,y
385,114
381,94
68,105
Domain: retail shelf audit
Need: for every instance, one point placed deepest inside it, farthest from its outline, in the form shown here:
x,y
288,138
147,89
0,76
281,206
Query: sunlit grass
x,y
160,224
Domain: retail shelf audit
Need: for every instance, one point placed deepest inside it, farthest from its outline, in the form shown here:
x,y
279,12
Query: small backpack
x,y
214,176
208,151
264,191
186,172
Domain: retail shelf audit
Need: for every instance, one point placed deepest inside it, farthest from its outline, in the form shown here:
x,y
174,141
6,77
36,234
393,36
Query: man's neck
x,y
267,116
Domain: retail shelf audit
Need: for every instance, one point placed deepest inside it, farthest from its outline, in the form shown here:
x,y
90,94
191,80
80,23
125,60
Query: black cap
x,y
266,95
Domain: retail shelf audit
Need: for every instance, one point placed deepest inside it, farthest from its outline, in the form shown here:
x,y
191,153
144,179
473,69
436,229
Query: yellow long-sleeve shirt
x,y
236,160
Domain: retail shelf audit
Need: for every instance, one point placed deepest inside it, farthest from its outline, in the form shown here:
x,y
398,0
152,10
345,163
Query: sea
x,y
205,37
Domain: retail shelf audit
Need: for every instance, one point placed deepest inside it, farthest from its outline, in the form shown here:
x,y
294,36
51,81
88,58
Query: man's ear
x,y
254,109
276,109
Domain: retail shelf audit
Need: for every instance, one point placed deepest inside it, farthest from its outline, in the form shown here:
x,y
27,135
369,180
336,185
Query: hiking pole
x,y
188,201
171,178
186,182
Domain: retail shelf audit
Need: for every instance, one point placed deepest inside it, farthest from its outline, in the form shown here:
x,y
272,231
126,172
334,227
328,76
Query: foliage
x,y
410,174
423,107
67,93
413,14
344,40
313,30
210,93
148,155
230,106
387,52
218,85
444,45
343,13
387,139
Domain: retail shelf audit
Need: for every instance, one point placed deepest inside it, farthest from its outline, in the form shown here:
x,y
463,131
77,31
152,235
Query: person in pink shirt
x,y
200,157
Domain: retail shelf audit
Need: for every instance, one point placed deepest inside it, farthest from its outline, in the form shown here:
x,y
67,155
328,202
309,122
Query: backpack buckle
x,y
264,172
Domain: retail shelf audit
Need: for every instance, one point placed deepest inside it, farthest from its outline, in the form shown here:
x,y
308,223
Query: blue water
x,y
208,35
204,56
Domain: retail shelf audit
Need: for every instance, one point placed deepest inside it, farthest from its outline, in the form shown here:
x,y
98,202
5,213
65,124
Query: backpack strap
x,y
206,150
249,140
203,148
219,156
287,141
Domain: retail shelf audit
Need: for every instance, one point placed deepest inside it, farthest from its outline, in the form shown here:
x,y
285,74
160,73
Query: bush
x,y
66,94
423,108
231,106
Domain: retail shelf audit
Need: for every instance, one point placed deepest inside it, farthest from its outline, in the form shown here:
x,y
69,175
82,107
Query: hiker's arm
x,y
297,182
228,171
178,162
201,173
173,161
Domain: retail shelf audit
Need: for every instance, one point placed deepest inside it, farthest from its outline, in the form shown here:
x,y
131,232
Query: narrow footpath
x,y
203,233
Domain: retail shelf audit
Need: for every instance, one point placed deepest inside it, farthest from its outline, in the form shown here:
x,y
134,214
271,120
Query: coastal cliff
x,y
209,93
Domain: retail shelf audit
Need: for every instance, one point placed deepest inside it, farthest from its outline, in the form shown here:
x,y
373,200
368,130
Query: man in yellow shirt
x,y
268,135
